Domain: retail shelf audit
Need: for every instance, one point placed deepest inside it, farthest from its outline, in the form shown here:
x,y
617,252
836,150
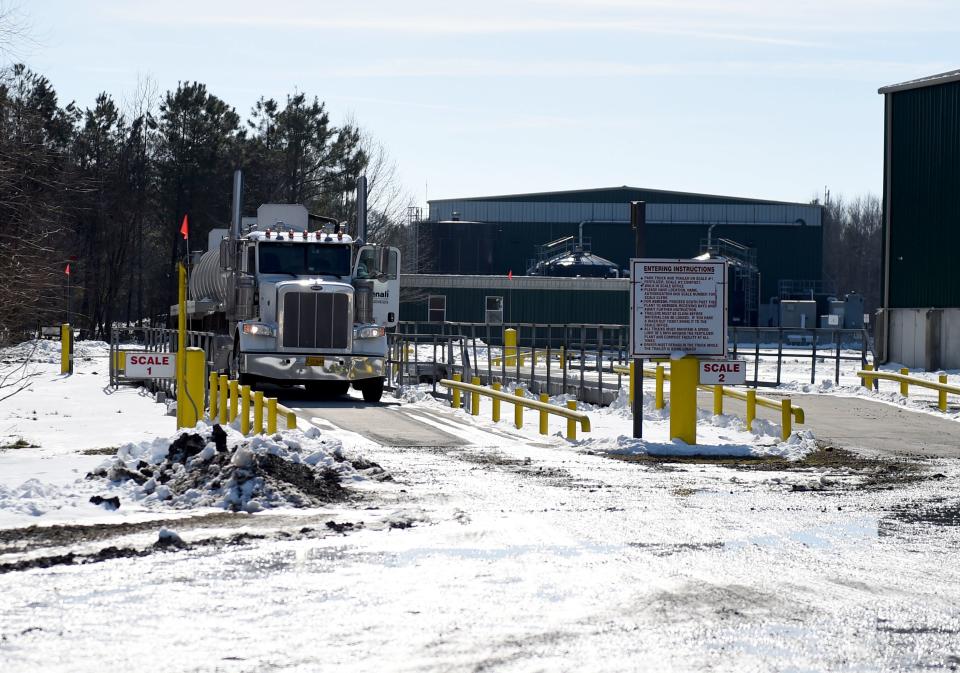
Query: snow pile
x,y
213,467
796,447
47,351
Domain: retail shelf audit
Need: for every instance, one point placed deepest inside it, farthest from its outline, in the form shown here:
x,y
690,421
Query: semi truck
x,y
296,300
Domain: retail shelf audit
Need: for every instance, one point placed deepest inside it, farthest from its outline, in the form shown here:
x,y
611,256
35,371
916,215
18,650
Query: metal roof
x,y
473,210
931,80
594,190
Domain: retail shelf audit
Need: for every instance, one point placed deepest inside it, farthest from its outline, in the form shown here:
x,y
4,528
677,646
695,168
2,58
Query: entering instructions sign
x,y
678,305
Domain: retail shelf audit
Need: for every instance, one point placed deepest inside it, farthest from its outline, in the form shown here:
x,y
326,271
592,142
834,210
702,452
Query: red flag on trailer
x,y
185,228
67,270
510,274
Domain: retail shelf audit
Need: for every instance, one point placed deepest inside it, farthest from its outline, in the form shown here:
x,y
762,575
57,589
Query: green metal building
x,y
920,319
487,237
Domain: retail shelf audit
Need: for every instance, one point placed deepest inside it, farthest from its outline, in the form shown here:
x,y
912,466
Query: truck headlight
x,y
368,332
259,329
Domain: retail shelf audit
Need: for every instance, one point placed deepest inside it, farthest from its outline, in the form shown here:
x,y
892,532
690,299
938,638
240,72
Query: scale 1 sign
x,y
678,305
723,372
150,365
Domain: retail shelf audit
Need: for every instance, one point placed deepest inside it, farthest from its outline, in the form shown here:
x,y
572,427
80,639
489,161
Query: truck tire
x,y
234,370
372,390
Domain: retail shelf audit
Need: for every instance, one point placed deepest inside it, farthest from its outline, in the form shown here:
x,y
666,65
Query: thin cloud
x,y
463,25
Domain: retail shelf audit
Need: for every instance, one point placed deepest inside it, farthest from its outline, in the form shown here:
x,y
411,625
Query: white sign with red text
x,y
150,365
723,372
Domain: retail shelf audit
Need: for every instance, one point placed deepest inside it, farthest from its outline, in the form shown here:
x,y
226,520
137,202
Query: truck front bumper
x,y
290,368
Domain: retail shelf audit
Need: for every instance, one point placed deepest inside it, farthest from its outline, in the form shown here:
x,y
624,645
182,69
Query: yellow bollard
x,y
258,412
786,419
942,397
904,386
190,405
291,421
658,399
222,407
496,403
66,349
234,389
271,415
544,416
867,380
455,393
571,424
684,377
718,400
751,408
510,346
214,395
475,398
245,410
522,358
518,410
563,357
630,382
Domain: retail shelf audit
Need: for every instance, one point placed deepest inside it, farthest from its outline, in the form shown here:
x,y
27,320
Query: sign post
x,y
679,310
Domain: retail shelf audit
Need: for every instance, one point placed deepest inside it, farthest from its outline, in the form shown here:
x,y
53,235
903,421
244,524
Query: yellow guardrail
x,y
228,400
869,375
788,411
519,402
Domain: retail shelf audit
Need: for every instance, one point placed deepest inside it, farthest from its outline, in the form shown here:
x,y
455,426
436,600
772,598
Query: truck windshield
x,y
305,259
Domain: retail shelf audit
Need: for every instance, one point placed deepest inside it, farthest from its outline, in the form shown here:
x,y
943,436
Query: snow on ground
x,y
513,552
61,428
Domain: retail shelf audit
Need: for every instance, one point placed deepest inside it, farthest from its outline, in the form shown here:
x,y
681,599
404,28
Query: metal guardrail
x,y
871,379
789,412
519,403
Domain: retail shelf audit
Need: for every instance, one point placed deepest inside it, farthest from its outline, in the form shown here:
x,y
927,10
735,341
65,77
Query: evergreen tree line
x,y
104,190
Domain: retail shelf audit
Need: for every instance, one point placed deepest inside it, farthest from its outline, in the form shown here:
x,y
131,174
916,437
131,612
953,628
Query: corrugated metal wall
x,y
658,213
924,197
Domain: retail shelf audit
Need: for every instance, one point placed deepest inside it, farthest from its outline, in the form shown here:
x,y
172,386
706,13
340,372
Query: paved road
x,y
385,423
855,423
846,422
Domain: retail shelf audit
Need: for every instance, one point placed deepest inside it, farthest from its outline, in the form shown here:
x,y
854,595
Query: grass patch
x,y
105,451
21,443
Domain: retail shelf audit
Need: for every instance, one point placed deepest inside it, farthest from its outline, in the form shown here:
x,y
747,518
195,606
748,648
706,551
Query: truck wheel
x,y
372,390
234,370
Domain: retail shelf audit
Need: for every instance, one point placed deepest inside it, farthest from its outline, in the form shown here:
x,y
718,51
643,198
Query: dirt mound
x,y
221,468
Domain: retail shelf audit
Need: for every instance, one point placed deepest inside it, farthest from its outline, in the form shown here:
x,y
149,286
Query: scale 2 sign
x,y
723,372
150,365
678,305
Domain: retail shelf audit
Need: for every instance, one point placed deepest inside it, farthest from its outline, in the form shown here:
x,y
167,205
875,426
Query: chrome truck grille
x,y
316,320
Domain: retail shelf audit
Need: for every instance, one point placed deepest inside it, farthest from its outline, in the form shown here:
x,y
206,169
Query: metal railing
x,y
766,343
871,379
587,360
519,402
154,340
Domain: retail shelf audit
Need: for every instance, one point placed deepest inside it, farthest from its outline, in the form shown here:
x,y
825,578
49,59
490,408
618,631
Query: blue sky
x,y
763,99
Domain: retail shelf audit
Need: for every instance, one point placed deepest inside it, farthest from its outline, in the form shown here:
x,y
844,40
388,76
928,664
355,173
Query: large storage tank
x,y
207,281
